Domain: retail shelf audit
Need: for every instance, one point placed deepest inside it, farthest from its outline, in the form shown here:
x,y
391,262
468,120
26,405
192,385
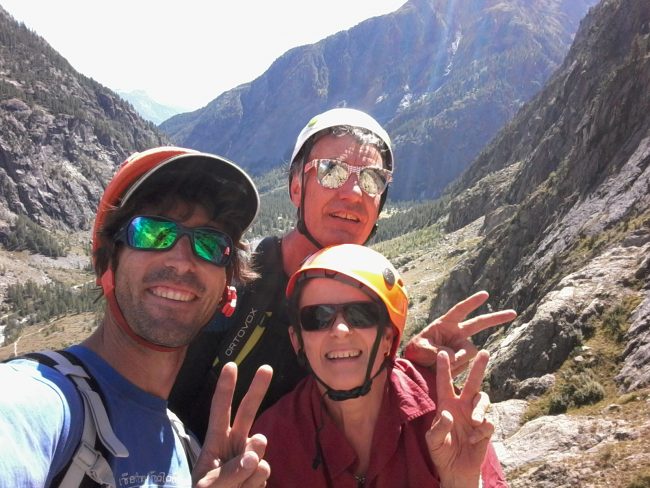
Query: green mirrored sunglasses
x,y
153,233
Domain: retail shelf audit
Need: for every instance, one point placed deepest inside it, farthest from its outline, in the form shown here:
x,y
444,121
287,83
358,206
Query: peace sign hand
x,y
460,434
452,333
230,458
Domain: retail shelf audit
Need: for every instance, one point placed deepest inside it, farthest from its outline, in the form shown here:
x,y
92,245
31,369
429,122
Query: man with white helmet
x,y
166,247
341,166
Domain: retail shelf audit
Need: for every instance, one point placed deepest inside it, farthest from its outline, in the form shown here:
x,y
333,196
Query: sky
x,y
185,53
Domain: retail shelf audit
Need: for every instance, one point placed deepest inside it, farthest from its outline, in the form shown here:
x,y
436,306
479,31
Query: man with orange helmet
x,y
341,166
365,417
166,248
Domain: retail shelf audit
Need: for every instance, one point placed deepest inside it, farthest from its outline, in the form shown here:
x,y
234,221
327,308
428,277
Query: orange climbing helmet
x,y
139,167
363,267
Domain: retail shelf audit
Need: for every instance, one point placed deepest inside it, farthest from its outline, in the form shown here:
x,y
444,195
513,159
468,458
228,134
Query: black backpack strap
x,y
89,465
254,308
192,393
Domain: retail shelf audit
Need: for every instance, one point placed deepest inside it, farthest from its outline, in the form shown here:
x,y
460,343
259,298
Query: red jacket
x,y
400,454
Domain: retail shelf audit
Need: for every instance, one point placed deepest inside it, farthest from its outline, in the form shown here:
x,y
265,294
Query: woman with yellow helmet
x,y
365,417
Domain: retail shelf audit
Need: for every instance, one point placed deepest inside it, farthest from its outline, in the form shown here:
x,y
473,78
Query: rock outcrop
x,y
62,134
563,192
565,195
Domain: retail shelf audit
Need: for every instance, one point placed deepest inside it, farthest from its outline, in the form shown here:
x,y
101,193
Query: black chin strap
x,y
361,390
301,225
302,228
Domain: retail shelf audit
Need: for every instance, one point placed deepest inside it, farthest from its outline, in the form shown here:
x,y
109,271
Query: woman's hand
x,y
460,433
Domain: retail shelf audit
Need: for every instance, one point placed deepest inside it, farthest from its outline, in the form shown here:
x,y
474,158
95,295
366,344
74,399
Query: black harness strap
x,y
255,304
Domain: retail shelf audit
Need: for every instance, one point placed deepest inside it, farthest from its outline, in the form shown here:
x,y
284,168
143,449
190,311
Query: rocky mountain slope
x,y
563,198
443,76
61,133
564,188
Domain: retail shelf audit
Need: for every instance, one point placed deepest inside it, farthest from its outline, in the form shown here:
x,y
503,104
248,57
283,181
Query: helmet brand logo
x,y
389,277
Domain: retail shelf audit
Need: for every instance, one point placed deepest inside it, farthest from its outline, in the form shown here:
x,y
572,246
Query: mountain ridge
x,y
444,99
148,108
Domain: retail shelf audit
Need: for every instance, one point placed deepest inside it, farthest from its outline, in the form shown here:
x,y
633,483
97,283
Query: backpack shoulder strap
x,y
255,303
190,444
88,460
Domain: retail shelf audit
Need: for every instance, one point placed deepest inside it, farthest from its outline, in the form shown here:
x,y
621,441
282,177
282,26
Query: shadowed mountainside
x,y
562,201
443,76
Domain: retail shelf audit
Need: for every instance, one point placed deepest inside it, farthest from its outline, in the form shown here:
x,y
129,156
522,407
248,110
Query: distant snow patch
x,y
452,51
405,102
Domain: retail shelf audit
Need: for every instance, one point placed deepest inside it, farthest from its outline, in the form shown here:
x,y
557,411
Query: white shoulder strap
x,y
190,444
87,460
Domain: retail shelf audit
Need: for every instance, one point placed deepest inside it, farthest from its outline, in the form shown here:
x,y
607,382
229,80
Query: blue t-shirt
x,y
41,418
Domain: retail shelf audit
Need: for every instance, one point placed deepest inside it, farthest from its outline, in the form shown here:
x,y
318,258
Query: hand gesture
x,y
460,434
452,333
230,458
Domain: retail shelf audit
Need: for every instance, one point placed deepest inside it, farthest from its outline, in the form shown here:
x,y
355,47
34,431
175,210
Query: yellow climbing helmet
x,y
363,267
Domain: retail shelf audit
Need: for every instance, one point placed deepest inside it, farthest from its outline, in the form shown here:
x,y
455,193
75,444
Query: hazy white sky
x,y
185,53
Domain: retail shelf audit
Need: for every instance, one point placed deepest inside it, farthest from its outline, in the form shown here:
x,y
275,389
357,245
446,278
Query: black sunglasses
x,y
360,315
152,233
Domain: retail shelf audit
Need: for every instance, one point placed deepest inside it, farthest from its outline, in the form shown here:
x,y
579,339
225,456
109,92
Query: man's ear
x,y
295,190
294,339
